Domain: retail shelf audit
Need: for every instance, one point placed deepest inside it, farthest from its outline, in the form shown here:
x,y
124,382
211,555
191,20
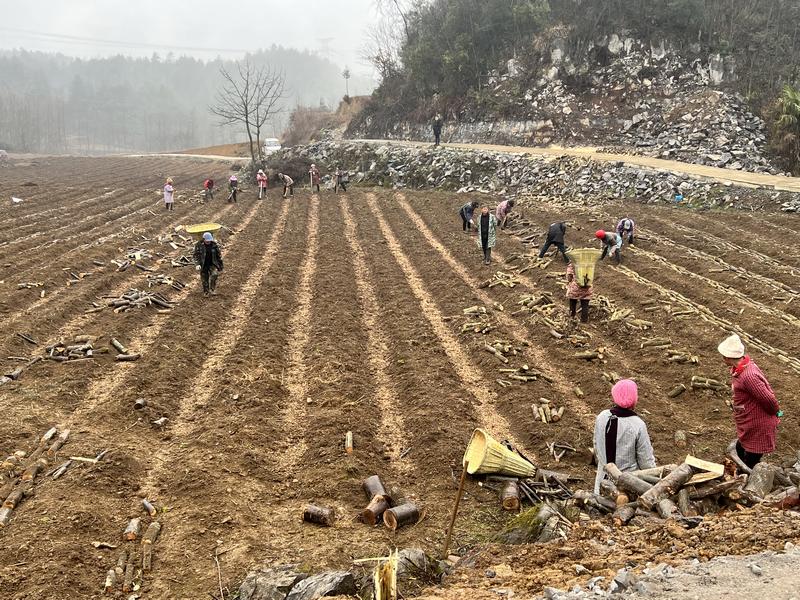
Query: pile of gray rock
x,y
767,575
399,166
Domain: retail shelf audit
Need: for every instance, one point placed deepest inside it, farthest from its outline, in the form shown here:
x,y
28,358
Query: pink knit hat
x,y
625,393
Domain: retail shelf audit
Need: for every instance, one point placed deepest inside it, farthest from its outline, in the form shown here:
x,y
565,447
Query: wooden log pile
x,y
546,413
20,471
384,508
133,299
81,348
182,261
522,374
685,493
29,285
136,556
500,278
515,493
160,279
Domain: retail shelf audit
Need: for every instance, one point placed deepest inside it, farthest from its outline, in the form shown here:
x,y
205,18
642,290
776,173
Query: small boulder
x,y
333,583
272,583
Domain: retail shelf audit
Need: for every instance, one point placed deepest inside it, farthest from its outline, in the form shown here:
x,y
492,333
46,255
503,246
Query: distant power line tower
x,y
325,47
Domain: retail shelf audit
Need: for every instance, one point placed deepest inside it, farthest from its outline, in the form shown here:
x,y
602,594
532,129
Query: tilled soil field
x,y
335,314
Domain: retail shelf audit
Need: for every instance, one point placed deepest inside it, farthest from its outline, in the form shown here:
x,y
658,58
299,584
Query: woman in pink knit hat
x,y
620,435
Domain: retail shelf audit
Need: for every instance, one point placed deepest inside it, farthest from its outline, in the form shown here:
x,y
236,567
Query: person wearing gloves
x,y
625,229
314,175
503,210
555,237
208,260
466,212
169,194
756,411
620,435
612,242
487,233
261,179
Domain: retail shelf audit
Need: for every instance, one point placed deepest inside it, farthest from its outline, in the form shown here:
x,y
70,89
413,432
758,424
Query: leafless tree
x,y
250,96
387,36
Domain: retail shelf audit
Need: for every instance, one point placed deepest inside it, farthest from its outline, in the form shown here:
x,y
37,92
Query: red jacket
x,y
755,408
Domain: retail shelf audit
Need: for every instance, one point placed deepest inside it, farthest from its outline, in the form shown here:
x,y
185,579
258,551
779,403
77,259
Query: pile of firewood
x,y
501,278
19,471
686,492
382,507
132,299
136,557
159,279
84,348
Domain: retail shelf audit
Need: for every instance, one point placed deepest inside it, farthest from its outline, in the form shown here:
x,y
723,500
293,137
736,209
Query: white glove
x,y
197,268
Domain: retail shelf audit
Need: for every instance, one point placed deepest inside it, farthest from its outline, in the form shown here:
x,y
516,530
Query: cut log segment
x,y
667,487
58,443
399,516
149,508
127,583
151,535
348,442
122,560
118,346
680,438
509,496
590,500
33,470
133,529
375,509
111,581
667,509
714,489
319,515
676,391
5,516
624,514
626,481
373,486
127,357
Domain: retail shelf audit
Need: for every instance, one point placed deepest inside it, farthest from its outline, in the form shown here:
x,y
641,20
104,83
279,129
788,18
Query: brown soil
x,y
336,314
241,150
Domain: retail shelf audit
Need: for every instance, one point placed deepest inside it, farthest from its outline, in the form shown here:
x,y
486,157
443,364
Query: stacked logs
x,y
136,557
500,278
19,471
502,349
514,493
544,412
684,493
82,349
132,299
160,279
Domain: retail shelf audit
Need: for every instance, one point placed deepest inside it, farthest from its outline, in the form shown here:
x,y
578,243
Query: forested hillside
x,y
53,103
526,60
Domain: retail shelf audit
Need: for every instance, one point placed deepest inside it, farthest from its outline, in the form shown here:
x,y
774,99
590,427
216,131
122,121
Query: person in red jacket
x,y
755,409
208,186
261,179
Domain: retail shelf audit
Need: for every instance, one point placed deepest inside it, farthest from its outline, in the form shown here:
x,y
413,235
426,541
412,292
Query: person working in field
x,y
487,233
208,260
341,179
612,243
208,189
503,210
580,280
466,212
288,184
233,186
261,179
625,229
314,177
169,194
555,237
756,411
620,435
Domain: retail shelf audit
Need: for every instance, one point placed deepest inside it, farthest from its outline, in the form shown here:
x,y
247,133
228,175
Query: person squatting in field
x,y
487,233
625,228
466,212
233,186
261,179
208,260
555,237
288,184
169,194
314,175
620,435
756,411
612,242
503,210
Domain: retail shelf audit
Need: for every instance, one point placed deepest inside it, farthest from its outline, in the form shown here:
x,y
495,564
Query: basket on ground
x,y
486,455
197,230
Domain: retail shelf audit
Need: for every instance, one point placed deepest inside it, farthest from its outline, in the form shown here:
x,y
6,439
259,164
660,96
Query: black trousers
x,y
573,309
209,279
467,223
437,135
559,245
751,459
487,254
339,184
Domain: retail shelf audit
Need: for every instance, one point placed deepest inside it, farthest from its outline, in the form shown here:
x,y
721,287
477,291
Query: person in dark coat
x,y
208,260
466,213
437,129
555,237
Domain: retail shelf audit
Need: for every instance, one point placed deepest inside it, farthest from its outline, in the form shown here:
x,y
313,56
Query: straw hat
x,y
732,347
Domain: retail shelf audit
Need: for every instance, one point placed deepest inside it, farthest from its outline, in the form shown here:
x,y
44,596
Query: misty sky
x,y
334,28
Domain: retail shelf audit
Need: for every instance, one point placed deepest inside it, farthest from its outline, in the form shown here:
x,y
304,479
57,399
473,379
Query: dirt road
x,y
724,176
335,314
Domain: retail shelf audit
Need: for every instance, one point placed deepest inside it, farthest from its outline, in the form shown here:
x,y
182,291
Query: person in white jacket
x,y
620,435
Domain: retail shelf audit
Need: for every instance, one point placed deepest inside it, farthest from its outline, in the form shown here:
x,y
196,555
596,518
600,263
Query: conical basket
x,y
486,455
583,261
